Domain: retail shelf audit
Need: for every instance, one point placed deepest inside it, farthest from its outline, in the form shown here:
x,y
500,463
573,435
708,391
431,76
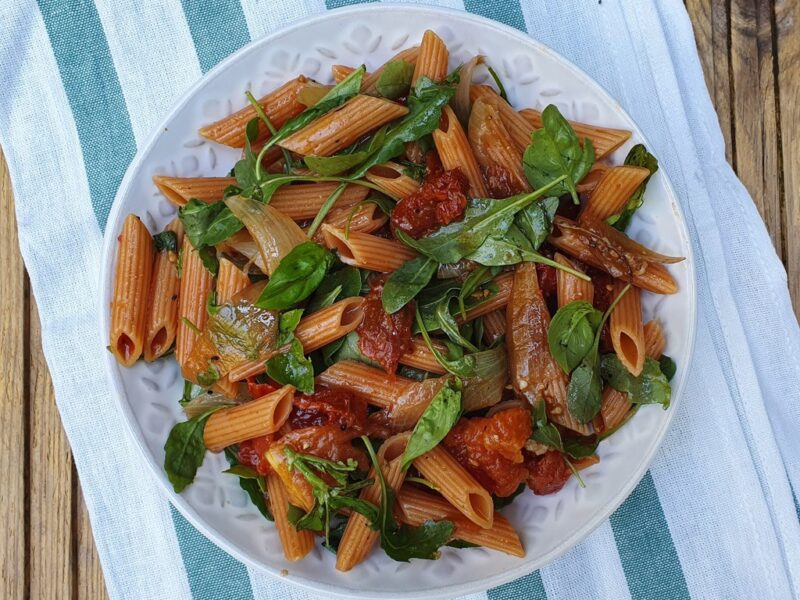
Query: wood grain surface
x,y
750,51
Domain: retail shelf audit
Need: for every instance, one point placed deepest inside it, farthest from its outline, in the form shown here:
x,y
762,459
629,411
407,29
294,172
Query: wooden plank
x,y
756,159
13,420
50,484
711,25
787,20
89,581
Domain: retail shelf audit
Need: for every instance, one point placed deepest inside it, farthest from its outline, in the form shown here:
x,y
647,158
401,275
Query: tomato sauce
x,y
490,448
382,337
329,407
256,390
441,200
251,453
547,472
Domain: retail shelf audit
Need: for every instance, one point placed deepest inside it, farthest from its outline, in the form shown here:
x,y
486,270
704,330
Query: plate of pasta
x,y
402,311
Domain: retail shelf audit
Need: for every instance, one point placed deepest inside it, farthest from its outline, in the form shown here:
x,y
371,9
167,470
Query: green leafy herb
x,y
395,79
556,152
208,256
584,393
436,422
402,542
571,333
482,218
208,224
190,392
460,366
348,349
535,221
502,502
340,284
498,83
414,170
448,325
638,157
461,544
297,276
292,367
668,366
479,276
185,450
287,324
344,161
212,308
649,387
406,282
546,433
581,447
251,482
166,241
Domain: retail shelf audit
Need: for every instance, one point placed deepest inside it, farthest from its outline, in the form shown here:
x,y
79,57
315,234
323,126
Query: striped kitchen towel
x,y
83,82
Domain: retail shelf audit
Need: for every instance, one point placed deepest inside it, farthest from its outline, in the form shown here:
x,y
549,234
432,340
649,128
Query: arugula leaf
x,y
208,256
297,276
435,423
474,280
535,221
292,367
406,282
649,387
185,451
166,241
555,151
339,163
208,224
395,79
584,393
448,325
251,482
402,542
498,83
638,157
460,366
668,366
482,218
340,284
571,333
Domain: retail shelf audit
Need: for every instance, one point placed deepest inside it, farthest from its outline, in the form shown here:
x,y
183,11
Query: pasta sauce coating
x,y
490,448
329,406
382,337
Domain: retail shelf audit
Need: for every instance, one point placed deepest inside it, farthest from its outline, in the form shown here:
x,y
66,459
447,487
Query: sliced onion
x,y
486,389
312,93
461,103
274,233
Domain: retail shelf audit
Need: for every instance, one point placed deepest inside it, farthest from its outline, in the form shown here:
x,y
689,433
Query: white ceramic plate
x,y
534,76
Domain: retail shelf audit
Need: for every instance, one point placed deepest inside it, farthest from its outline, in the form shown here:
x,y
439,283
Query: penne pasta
x,y
455,483
604,139
534,372
593,178
415,507
433,58
315,331
494,147
455,152
162,307
131,286
359,538
303,201
654,340
372,384
627,331
367,251
196,285
569,288
392,180
256,418
498,300
296,544
613,192
364,219
494,326
422,358
179,190
344,126
279,105
230,281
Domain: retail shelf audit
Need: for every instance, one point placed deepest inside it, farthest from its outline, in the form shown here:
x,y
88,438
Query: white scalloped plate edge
x,y
447,589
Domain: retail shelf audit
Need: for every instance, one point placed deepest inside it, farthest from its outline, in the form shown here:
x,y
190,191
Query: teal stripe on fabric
x,y
329,4
509,12
645,546
529,587
218,29
94,94
212,573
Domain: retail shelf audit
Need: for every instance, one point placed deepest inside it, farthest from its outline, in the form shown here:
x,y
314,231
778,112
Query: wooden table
x,y
750,51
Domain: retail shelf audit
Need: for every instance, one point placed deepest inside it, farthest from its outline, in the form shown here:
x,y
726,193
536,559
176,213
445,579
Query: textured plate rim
x,y
526,566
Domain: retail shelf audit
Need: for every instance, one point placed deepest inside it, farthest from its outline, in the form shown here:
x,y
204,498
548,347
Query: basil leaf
x,y
435,423
461,544
208,256
166,241
406,282
287,324
424,112
650,387
297,276
509,248
555,151
333,165
482,218
185,451
638,157
348,350
208,224
395,79
581,447
403,542
535,221
584,394
668,366
245,169
571,333
292,368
